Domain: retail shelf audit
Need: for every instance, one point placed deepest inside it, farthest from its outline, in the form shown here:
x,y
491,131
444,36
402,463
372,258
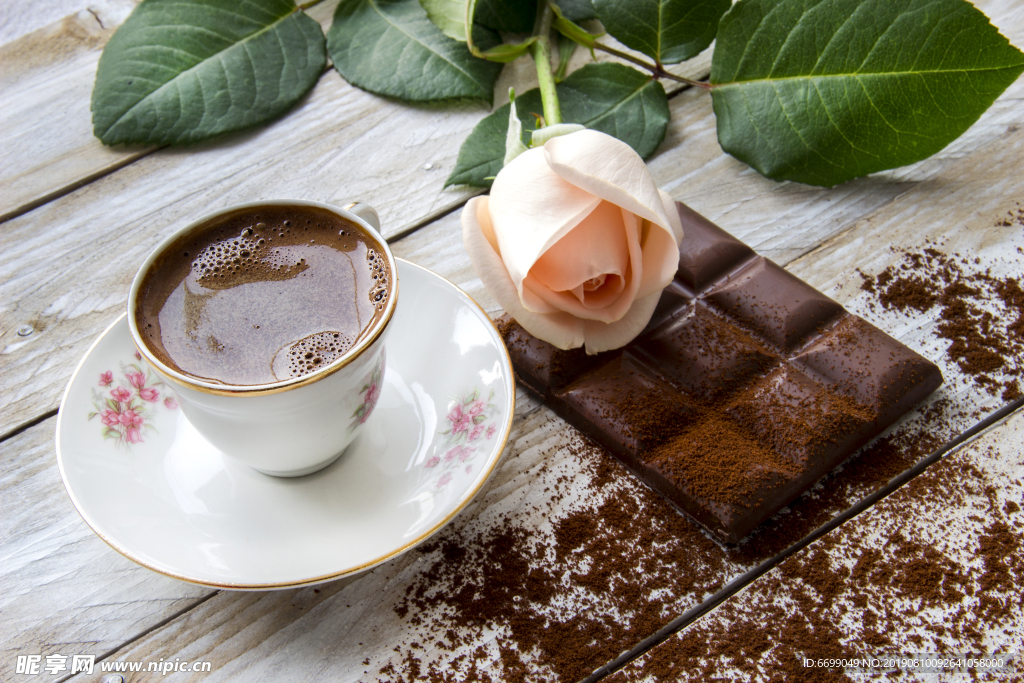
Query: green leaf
x,y
447,15
577,10
667,31
180,72
822,91
612,98
566,46
390,47
513,16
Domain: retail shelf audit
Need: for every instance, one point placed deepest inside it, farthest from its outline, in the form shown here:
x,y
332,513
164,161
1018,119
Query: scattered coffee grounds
x,y
516,583
934,568
746,387
514,600
979,314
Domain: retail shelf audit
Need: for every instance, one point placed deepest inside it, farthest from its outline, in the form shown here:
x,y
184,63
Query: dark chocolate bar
x,y
746,387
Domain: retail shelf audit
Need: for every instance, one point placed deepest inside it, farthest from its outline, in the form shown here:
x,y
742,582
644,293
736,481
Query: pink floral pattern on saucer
x,y
125,409
471,423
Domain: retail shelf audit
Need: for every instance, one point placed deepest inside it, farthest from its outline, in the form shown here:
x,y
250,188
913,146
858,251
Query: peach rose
x,y
575,241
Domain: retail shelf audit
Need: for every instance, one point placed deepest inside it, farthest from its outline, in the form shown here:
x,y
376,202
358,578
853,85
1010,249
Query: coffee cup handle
x,y
366,212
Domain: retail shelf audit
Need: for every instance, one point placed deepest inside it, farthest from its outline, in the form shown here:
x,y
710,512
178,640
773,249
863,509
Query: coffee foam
x,y
379,274
243,259
249,258
311,353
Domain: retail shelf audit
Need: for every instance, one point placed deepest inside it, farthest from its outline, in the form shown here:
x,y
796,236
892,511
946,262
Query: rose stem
x,y
656,69
540,50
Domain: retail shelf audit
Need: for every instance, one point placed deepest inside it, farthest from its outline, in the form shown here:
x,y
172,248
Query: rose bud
x,y
575,241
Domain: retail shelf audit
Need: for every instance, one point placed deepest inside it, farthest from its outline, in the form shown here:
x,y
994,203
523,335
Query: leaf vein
x,y
889,74
839,129
796,129
435,53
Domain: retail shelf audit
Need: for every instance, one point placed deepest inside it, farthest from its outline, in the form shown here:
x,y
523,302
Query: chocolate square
x,y
801,419
782,307
629,409
703,354
710,252
867,364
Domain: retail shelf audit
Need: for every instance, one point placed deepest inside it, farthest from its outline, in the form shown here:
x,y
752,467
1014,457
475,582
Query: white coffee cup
x,y
295,426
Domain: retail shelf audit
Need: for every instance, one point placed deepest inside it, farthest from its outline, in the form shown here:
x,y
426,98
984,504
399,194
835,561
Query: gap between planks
x,y
145,632
866,503
24,426
131,159
71,187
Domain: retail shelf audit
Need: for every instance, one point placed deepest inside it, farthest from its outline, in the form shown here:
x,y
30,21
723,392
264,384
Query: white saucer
x,y
157,492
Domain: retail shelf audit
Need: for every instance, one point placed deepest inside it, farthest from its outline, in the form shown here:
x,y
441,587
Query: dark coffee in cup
x,y
263,295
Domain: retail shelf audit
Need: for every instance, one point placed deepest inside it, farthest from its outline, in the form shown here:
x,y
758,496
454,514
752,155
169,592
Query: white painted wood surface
x,y
46,80
61,583
65,269
987,475
21,18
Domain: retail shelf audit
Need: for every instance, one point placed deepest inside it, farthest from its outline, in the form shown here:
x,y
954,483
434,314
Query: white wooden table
x,y
78,219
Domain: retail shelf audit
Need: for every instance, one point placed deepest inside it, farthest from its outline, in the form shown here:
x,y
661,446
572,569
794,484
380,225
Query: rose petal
x,y
610,169
526,229
660,259
595,247
672,212
582,254
600,292
560,329
600,336
489,255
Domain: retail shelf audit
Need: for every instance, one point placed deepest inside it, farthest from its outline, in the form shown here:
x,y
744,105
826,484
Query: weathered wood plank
x,y
62,587
52,69
542,443
47,83
21,18
934,568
